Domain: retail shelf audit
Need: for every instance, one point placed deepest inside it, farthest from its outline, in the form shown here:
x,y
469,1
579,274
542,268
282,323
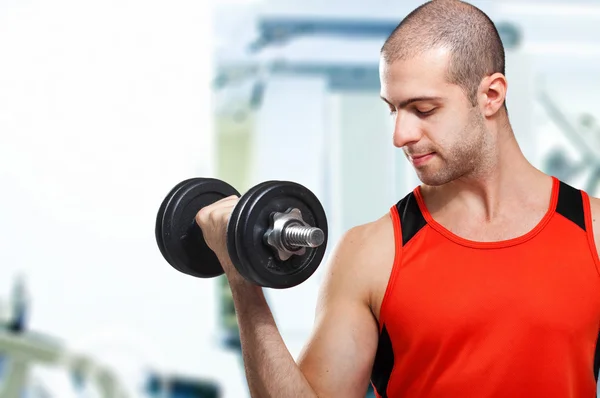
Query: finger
x,y
221,214
232,198
212,213
228,201
203,214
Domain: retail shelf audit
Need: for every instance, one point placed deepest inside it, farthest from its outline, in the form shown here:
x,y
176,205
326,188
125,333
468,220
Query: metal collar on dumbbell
x,y
290,235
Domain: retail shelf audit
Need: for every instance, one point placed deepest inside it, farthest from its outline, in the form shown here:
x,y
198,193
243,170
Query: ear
x,y
493,93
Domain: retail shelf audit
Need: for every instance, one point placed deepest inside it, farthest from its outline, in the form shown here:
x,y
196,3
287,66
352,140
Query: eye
x,y
425,113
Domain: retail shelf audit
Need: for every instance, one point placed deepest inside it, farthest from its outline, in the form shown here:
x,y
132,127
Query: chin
x,y
432,182
434,179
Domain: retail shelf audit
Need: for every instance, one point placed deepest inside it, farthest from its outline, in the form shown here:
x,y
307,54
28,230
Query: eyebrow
x,y
409,101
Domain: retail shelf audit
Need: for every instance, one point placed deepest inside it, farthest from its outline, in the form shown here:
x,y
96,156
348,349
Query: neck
x,y
505,179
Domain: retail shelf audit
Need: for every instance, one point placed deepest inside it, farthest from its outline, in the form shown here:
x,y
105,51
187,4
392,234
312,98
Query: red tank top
x,y
510,319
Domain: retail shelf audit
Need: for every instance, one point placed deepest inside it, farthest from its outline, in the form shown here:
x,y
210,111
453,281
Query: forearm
x,y
270,368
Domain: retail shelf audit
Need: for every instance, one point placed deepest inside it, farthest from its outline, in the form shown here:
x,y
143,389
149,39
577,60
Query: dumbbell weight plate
x,y
178,236
159,217
251,218
233,238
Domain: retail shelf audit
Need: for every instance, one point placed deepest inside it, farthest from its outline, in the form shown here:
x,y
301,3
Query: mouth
x,y
418,160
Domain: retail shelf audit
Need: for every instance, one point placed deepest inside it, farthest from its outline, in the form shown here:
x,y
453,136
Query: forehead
x,y
421,74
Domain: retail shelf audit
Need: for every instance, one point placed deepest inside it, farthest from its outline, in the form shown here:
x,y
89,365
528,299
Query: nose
x,y
406,130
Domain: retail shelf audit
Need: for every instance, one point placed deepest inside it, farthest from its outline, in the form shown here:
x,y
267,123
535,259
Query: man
x,y
482,282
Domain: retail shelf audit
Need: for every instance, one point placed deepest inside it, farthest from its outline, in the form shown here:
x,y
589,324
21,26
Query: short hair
x,y
476,49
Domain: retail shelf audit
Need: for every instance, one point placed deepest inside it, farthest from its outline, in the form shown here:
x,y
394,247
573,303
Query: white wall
x,y
104,106
363,156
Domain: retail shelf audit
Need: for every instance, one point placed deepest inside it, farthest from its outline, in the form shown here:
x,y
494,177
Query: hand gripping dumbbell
x,y
276,234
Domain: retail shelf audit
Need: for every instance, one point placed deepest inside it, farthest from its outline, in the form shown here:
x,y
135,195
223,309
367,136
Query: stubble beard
x,y
469,158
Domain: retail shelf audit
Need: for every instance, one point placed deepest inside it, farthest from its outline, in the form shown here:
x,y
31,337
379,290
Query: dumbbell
x,y
276,234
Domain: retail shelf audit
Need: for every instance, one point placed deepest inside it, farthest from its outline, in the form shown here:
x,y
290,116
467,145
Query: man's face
x,y
439,130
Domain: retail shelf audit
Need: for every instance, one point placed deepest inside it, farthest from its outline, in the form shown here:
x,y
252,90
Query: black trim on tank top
x,y
570,204
411,218
384,364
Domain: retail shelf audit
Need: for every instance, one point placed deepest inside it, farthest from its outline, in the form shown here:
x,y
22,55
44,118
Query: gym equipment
x,y
178,236
24,352
558,162
276,234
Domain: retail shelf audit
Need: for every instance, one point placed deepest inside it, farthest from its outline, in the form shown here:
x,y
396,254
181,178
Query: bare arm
x,y
270,368
337,359
339,356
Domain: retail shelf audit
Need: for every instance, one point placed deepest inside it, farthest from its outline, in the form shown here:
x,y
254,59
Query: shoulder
x,y
364,241
361,245
361,260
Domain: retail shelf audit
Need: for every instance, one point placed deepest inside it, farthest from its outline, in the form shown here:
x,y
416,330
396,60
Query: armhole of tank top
x,y
589,227
395,266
